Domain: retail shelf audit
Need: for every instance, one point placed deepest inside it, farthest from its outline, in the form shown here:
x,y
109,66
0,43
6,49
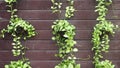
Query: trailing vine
x,y
70,9
101,34
19,29
56,6
63,34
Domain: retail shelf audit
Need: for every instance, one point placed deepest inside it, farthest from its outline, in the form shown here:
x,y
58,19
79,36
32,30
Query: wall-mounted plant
x,y
19,29
63,34
101,34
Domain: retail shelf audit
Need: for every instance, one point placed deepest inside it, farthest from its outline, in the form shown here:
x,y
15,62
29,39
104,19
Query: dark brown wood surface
x,y
42,48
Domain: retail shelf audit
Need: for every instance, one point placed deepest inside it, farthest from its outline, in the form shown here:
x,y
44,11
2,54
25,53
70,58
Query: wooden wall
x,y
42,48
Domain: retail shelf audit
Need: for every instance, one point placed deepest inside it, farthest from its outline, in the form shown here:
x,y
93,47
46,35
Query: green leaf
x,y
57,67
77,66
70,65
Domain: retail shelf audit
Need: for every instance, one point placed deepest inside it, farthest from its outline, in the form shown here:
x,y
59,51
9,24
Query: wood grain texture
x,y
42,49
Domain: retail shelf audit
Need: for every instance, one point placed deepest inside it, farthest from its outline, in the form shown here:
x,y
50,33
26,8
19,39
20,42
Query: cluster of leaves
x,y
101,9
68,64
10,1
18,64
19,29
64,34
101,38
56,6
70,9
101,34
105,64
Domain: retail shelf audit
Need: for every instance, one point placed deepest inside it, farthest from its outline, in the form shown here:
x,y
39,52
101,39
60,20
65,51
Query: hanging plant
x,y
101,34
63,34
18,29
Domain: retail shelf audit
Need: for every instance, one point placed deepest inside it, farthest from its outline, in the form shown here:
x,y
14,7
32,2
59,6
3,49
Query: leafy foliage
x,y
70,9
10,1
101,38
105,64
101,34
64,34
68,64
18,29
18,64
56,6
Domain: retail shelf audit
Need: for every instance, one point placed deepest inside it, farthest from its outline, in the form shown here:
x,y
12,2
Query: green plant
x,y
64,34
18,29
18,64
101,34
101,38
